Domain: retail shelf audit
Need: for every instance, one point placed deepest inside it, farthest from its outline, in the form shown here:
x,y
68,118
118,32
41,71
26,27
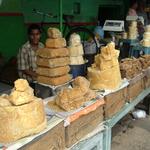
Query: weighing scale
x,y
114,25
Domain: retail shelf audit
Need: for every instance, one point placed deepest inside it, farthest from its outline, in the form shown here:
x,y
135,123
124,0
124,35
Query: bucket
x,y
146,50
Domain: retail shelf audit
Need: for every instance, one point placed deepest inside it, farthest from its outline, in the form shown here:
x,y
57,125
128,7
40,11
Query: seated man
x,y
27,61
27,54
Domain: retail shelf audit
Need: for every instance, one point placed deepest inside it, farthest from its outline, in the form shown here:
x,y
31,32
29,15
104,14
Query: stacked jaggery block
x,y
146,37
53,60
133,31
75,50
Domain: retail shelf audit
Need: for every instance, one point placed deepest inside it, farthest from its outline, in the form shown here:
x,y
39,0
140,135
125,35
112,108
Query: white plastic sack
x,y
137,114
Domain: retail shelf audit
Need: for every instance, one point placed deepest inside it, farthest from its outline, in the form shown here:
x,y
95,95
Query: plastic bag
x,y
138,114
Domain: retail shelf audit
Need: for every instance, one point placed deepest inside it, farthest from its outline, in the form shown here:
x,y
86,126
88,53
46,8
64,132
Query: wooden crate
x,y
115,108
135,87
82,126
53,139
112,98
93,141
114,102
146,78
146,82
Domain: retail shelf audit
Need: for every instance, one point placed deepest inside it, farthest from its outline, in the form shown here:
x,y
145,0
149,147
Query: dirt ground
x,y
131,134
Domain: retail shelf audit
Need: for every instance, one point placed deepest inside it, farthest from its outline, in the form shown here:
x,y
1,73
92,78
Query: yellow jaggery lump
x,y
72,98
22,93
21,113
105,72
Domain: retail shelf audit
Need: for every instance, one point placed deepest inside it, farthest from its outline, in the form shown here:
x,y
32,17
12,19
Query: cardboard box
x,y
53,139
114,102
82,126
135,87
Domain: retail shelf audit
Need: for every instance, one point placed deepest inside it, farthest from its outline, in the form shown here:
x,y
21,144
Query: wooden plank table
x,y
125,110
92,141
53,137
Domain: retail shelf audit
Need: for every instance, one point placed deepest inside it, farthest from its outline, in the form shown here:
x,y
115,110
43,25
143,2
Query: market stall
x,y
85,102
87,115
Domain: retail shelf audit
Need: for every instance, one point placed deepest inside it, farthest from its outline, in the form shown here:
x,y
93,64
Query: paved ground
x,y
132,134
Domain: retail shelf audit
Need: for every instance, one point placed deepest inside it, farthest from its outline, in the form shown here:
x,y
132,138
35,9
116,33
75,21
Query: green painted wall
x,y
10,6
12,35
13,28
89,9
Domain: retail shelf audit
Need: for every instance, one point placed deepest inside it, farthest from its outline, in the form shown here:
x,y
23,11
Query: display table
x,y
125,110
50,138
92,141
54,138
54,135
101,139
